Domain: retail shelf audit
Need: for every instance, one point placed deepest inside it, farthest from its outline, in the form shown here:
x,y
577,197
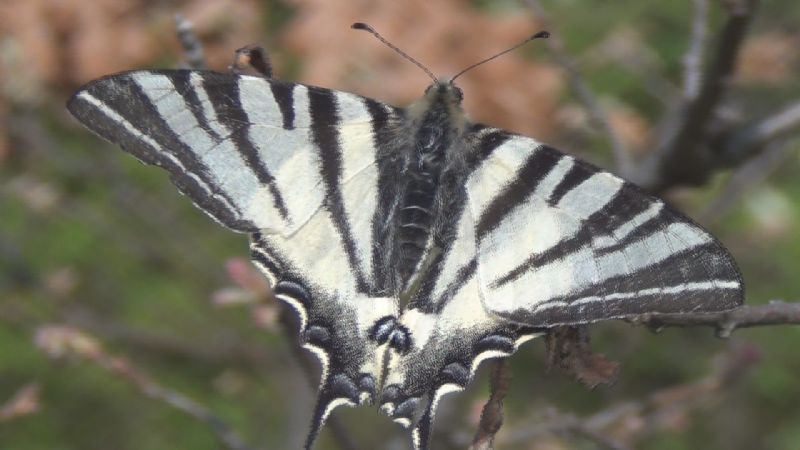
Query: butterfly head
x,y
440,107
445,92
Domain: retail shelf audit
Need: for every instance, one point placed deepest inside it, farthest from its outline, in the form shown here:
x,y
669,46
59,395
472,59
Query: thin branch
x,y
597,116
773,313
492,414
610,428
746,176
63,341
230,349
562,424
603,442
718,78
682,158
192,47
693,60
751,139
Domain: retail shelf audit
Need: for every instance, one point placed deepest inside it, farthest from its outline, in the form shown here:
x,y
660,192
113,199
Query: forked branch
x,y
63,341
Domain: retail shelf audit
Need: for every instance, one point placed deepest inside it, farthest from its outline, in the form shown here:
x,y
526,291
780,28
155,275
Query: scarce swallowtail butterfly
x,y
412,243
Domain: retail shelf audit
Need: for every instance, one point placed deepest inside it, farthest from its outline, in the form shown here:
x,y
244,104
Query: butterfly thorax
x,y
433,153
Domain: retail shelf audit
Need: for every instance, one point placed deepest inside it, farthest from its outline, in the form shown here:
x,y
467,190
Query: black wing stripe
x,y
536,167
621,209
140,106
643,265
325,133
388,167
489,140
665,286
104,119
230,112
284,97
577,174
183,82
464,274
652,225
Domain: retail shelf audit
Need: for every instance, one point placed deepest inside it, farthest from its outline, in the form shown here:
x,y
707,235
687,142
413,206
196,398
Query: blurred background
x,y
129,320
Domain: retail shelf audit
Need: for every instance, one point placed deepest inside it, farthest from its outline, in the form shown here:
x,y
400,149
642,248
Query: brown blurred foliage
x,y
769,58
443,35
64,44
25,402
46,44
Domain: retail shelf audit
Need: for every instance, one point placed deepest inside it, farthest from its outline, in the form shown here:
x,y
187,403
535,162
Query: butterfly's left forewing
x,y
561,242
292,165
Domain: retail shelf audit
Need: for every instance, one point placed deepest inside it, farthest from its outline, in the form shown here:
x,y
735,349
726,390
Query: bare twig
x,y
746,176
561,424
192,47
773,313
751,139
598,117
492,414
227,350
63,341
603,442
682,157
693,60
614,428
24,402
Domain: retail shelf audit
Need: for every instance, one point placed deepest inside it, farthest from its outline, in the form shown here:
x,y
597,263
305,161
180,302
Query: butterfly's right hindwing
x,y
292,165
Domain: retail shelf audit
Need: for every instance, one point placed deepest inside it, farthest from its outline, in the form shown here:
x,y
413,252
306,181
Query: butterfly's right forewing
x,y
295,167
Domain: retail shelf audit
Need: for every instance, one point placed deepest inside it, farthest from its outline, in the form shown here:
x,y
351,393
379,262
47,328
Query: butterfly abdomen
x,y
434,132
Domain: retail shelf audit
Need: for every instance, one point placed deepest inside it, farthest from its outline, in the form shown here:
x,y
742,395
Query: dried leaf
x,y
25,402
568,350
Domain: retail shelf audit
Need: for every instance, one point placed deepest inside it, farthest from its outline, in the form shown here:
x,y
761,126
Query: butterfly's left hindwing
x,y
292,165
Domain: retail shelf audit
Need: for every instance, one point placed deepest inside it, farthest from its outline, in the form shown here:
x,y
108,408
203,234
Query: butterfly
x,y
411,242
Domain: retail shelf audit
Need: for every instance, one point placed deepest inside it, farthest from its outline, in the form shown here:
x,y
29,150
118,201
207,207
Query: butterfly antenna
x,y
539,35
369,29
